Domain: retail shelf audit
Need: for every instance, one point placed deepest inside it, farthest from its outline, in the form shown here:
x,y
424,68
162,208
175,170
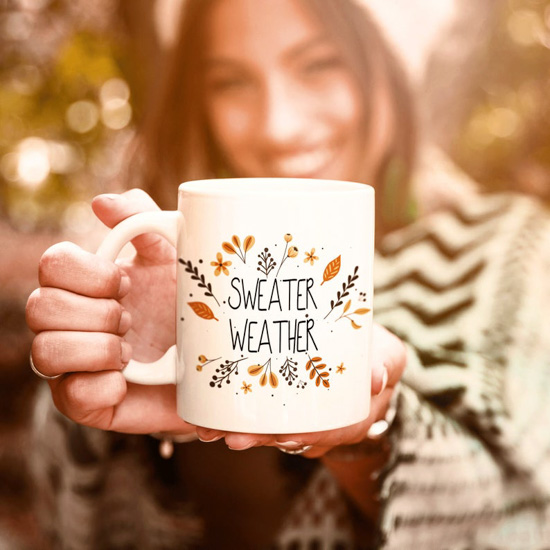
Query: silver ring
x,y
294,450
39,374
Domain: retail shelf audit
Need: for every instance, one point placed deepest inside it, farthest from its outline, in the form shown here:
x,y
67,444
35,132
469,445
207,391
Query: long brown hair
x,y
175,145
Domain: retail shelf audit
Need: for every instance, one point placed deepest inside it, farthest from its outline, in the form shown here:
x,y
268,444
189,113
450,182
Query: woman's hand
x,y
86,305
388,364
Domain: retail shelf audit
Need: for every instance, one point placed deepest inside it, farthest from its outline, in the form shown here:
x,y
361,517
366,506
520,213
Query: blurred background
x,y
76,77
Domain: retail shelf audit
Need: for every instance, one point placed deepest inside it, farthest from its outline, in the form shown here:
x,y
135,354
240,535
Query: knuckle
x,y
75,389
112,351
108,279
112,316
45,352
118,387
31,309
53,256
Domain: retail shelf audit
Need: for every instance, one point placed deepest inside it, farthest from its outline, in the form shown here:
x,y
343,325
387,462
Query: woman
x,y
307,89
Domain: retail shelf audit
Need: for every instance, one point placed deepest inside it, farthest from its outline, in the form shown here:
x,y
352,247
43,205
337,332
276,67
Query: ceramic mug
x,y
274,303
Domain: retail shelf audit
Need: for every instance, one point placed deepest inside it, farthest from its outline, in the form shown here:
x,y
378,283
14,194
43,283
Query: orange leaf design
x,y
273,380
346,307
228,247
263,379
332,269
236,240
254,370
326,383
312,374
321,366
315,359
362,310
249,243
318,381
202,310
354,324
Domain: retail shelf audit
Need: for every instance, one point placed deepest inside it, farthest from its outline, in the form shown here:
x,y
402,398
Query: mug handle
x,y
165,223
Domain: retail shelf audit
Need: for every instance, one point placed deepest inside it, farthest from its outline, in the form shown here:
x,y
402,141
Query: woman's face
x,y
279,99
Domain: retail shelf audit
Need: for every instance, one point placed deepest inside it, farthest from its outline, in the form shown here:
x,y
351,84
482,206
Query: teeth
x,y
302,163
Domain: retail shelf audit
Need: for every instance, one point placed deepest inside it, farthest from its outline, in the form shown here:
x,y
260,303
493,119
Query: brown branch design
x,y
289,371
266,263
340,295
225,371
196,276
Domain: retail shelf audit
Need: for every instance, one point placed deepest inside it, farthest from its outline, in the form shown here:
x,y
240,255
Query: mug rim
x,y
256,186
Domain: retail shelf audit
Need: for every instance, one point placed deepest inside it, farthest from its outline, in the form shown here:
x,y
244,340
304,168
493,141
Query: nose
x,y
284,113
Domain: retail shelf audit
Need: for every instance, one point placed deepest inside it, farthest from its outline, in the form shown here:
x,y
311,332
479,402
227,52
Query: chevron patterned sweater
x,y
470,293
468,290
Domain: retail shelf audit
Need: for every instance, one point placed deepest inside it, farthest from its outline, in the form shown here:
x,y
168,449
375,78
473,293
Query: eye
x,y
227,81
322,64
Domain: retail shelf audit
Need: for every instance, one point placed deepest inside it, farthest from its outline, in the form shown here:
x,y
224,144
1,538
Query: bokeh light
x,y
116,113
8,167
525,27
25,79
16,26
33,162
114,88
503,122
82,116
65,158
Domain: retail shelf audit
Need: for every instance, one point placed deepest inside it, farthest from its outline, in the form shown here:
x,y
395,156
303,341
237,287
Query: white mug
x,y
274,303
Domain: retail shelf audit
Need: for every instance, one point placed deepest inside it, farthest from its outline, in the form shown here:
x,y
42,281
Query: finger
x,y
55,309
347,435
236,441
112,209
106,401
65,265
389,354
242,441
59,352
89,398
206,435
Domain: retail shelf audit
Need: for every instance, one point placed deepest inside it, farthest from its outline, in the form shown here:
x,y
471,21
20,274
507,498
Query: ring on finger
x,y
294,450
39,374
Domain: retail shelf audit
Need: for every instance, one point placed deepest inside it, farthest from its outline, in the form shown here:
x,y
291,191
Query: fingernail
x,y
110,196
124,286
247,446
384,381
290,444
215,438
125,322
125,353
379,379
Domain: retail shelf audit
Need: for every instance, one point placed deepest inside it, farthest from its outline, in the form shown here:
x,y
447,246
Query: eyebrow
x,y
295,52
304,47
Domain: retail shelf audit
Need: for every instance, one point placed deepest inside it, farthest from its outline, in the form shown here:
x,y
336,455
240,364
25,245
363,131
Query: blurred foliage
x,y
61,85
505,143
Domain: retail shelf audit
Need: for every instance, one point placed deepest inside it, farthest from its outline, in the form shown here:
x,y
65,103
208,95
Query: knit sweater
x,y
468,291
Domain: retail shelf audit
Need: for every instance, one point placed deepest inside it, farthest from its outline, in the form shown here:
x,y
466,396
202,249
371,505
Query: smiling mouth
x,y
304,164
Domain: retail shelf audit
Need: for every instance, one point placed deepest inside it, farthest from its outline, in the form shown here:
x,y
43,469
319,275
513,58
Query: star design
x,y
340,368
